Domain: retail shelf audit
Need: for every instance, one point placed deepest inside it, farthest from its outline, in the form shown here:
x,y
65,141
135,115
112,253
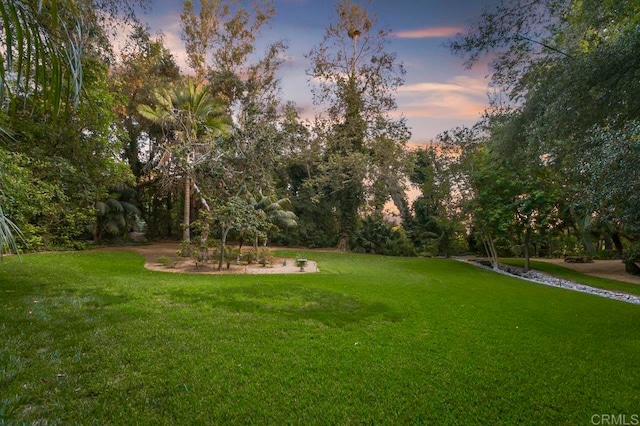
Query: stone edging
x,y
541,278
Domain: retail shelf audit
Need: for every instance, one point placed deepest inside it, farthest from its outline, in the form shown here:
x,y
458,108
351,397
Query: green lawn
x,y
94,337
569,274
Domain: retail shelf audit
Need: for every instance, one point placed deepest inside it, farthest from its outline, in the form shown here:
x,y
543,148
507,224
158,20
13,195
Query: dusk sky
x,y
439,93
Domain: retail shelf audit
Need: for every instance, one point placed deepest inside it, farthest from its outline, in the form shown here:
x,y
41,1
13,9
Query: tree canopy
x,y
95,143
569,70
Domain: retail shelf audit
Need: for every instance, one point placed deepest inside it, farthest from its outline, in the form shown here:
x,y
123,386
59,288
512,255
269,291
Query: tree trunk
x,y
96,230
186,235
490,247
615,237
223,242
588,244
398,196
343,244
583,227
348,204
527,257
486,246
204,239
494,253
168,218
444,243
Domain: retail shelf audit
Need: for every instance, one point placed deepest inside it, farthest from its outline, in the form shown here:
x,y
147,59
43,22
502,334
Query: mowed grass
x,y
571,275
93,337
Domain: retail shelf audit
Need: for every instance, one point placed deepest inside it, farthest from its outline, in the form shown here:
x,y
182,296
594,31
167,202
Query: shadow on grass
x,y
296,302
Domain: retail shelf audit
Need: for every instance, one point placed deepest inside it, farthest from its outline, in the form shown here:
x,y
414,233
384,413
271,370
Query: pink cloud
x,y
429,32
461,97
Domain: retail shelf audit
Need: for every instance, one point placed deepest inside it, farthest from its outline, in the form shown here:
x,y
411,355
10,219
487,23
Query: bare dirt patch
x,y
612,269
152,252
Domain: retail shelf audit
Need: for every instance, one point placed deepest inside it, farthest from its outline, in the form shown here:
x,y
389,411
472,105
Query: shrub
x,y
231,254
631,258
185,249
265,257
166,261
378,236
250,256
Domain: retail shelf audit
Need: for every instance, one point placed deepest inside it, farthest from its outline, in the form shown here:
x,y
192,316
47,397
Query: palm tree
x,y
41,58
8,231
118,214
277,212
193,119
43,51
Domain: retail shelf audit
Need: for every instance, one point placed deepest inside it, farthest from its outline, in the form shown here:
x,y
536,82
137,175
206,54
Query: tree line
x,y
96,143
551,169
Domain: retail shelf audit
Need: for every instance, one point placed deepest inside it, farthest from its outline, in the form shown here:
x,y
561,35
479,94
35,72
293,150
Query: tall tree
x,y
221,46
221,36
46,60
436,214
356,80
570,68
220,41
144,67
193,119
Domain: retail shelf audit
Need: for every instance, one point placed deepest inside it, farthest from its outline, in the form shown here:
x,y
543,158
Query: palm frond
x,y
130,208
149,113
102,208
285,203
115,205
42,52
284,219
8,232
112,227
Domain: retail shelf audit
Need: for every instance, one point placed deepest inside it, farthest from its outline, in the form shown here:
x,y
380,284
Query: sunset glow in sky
x,y
439,93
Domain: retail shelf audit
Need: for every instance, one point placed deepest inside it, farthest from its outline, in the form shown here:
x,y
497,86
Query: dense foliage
x,y
552,167
96,145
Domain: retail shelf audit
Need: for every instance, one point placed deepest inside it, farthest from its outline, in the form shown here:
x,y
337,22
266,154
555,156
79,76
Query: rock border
x,y
549,280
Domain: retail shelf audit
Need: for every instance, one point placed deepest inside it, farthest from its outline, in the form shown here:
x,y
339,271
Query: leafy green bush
x,y
166,261
631,258
41,197
185,249
250,256
378,236
265,257
118,214
231,254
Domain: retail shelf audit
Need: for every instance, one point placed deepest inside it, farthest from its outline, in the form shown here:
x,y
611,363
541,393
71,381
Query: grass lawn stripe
x,y
93,336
